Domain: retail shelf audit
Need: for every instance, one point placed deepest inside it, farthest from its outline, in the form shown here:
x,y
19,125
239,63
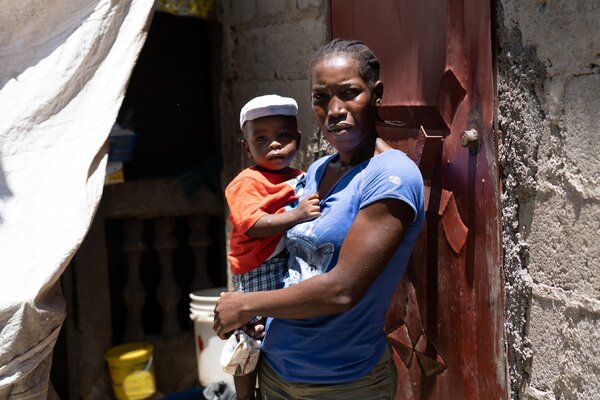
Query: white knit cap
x,y
264,106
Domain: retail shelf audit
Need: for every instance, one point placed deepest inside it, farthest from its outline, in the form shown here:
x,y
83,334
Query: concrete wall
x,y
267,47
549,105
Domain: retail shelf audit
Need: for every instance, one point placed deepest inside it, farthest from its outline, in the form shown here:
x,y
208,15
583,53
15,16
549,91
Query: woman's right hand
x,y
229,314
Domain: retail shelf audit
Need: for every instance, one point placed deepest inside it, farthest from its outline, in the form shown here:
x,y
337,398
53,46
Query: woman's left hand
x,y
229,314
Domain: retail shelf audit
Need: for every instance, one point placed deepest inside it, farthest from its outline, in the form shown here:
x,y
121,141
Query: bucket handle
x,y
149,363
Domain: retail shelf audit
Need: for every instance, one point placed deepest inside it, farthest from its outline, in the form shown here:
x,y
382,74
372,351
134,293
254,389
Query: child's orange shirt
x,y
255,192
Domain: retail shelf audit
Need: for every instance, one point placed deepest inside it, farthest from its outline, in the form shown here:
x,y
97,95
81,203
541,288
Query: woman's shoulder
x,y
393,158
391,165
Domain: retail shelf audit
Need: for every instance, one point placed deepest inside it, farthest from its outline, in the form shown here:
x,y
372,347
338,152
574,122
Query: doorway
x,y
158,234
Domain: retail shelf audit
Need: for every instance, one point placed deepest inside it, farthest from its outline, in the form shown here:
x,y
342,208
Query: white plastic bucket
x,y
208,344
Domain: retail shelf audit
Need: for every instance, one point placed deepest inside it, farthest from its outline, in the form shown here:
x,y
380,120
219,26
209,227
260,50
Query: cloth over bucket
x,y
208,345
131,370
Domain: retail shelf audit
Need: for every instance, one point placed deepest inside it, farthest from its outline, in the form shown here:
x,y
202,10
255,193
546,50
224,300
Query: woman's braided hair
x,y
368,64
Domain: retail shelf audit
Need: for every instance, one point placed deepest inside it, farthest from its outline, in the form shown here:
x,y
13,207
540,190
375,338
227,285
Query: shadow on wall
x,y
4,190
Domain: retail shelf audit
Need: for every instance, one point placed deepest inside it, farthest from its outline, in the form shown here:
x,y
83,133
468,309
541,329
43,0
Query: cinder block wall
x,y
549,107
267,47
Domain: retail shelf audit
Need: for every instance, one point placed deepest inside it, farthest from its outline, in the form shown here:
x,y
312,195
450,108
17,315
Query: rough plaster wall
x,y
267,47
549,98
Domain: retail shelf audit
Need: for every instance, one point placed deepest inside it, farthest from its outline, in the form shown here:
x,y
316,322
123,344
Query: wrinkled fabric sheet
x,y
64,66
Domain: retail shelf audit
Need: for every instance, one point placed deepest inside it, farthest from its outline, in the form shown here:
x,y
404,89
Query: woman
x,y
326,338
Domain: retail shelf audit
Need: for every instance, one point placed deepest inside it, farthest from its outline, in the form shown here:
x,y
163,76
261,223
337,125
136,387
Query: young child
x,y
261,200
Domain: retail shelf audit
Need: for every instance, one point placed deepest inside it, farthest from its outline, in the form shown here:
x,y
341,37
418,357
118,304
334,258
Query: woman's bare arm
x,y
371,241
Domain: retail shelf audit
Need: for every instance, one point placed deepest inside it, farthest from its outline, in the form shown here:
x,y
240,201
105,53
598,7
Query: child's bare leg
x,y
245,386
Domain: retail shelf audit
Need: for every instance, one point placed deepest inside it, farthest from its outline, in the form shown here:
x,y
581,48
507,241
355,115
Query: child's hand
x,y
308,208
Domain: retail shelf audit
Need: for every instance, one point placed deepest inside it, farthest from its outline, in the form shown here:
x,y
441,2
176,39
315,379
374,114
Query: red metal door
x,y
446,320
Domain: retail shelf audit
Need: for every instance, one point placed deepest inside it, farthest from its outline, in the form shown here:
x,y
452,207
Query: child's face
x,y
272,141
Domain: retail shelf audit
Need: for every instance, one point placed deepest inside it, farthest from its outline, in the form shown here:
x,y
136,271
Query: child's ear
x,y
298,138
245,146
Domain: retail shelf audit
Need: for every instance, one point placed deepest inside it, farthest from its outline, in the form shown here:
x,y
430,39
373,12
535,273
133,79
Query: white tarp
x,y
64,66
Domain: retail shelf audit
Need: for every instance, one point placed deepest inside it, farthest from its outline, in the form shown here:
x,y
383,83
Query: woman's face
x,y
343,102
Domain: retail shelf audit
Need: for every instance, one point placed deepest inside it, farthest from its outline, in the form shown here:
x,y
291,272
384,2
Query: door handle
x,y
470,139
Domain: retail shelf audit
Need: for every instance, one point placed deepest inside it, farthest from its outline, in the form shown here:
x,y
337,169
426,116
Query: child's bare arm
x,y
272,224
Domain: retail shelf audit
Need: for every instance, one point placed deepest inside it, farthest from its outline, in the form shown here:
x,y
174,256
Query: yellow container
x,y
131,370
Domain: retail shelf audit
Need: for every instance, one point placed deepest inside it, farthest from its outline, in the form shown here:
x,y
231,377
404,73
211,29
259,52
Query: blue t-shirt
x,y
346,346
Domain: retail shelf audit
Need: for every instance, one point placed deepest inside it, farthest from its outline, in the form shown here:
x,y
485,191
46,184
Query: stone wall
x,y
267,45
549,101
